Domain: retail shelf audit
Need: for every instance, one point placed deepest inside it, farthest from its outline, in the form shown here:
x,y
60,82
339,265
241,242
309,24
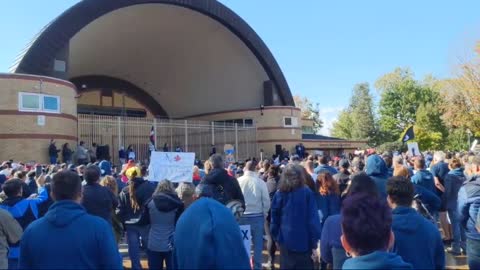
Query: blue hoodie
x,y
453,182
377,170
429,198
417,240
469,206
331,233
295,222
424,178
69,238
377,260
208,237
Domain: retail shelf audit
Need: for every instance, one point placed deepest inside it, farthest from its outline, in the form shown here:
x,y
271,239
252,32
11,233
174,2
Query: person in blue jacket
x,y
331,248
367,234
25,211
328,196
67,237
423,177
453,182
417,240
295,224
377,170
207,236
469,210
323,166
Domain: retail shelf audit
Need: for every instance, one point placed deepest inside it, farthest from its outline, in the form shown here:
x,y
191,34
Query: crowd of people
x,y
373,211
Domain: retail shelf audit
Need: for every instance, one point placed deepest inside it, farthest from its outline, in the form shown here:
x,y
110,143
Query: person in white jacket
x,y
257,205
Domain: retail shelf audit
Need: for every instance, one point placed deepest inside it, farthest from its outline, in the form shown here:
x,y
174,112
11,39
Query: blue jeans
x,y
256,226
457,230
134,233
53,160
473,253
12,264
156,259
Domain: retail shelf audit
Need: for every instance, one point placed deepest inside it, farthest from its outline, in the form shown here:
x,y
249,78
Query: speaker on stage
x,y
278,150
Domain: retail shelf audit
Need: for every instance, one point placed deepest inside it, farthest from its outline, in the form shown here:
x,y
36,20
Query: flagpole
x,y
155,133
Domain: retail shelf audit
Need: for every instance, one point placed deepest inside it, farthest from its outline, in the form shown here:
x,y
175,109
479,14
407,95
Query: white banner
x,y
413,149
173,166
247,237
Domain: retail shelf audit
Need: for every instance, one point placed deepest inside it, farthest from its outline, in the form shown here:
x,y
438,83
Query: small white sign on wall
x,y
41,120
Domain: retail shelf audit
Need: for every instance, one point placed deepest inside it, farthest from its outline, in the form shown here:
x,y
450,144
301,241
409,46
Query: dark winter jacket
x,y
377,170
99,201
295,222
417,240
342,179
469,206
429,198
219,177
52,150
453,182
67,154
143,192
377,260
425,179
69,238
162,212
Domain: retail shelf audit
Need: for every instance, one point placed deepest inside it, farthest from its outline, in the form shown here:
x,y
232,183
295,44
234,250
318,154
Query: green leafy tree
x,y
342,128
430,131
457,140
400,97
309,111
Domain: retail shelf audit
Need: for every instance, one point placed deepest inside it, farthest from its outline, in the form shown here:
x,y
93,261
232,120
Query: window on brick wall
x,y
32,102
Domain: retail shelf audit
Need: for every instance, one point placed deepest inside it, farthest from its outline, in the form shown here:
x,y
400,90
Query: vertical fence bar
x,y
236,142
155,132
186,136
213,133
119,126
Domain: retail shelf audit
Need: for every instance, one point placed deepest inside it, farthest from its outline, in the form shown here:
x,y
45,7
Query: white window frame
x,y
40,103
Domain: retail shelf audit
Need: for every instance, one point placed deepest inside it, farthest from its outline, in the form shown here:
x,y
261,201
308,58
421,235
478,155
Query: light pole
x,y
469,134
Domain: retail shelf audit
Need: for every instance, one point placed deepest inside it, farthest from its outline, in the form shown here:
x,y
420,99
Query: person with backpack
x,y
224,188
161,213
469,210
132,200
417,240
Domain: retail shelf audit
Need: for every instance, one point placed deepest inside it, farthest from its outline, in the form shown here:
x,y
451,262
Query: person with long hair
x,y
331,248
111,183
132,200
272,186
328,196
295,222
161,212
67,153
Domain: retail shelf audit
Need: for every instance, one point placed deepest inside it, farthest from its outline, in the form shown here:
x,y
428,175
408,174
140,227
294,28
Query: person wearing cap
x,y
132,201
343,176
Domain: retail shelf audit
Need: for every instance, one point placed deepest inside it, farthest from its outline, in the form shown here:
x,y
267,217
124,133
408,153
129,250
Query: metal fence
x,y
191,136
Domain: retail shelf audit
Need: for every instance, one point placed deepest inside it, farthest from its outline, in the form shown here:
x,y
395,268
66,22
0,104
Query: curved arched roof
x,y
69,30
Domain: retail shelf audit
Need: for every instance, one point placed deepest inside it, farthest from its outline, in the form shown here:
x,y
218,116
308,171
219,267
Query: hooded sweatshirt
x,y
469,206
453,182
208,237
377,260
424,178
162,213
377,170
417,240
69,238
220,177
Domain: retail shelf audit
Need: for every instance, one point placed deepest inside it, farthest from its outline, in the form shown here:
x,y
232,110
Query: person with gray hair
x,y
224,188
186,193
439,171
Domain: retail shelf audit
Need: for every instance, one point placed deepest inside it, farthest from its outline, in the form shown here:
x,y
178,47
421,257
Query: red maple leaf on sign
x,y
177,158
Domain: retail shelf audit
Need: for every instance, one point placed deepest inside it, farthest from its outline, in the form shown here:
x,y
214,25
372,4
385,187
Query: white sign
x,y
413,149
41,120
173,166
247,237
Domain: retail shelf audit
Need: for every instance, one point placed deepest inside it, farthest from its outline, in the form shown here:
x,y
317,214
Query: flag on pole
x,y
152,139
408,135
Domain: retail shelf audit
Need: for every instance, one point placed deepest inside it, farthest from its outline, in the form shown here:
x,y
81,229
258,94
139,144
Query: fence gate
x,y
190,135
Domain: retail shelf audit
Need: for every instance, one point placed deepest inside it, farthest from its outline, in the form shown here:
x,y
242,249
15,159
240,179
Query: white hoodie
x,y
255,192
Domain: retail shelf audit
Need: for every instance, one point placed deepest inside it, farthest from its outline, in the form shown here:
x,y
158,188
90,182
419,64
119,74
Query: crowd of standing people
x,y
374,211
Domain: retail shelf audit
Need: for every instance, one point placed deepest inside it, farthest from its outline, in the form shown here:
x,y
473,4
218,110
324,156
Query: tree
x,y
309,111
357,121
400,96
430,131
343,126
457,140
461,96
361,106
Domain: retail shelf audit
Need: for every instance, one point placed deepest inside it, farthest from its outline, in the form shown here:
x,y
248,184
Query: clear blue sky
x,y
323,47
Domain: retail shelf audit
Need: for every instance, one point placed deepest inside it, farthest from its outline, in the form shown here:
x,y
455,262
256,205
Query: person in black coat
x,y
220,182
67,154
97,200
53,152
